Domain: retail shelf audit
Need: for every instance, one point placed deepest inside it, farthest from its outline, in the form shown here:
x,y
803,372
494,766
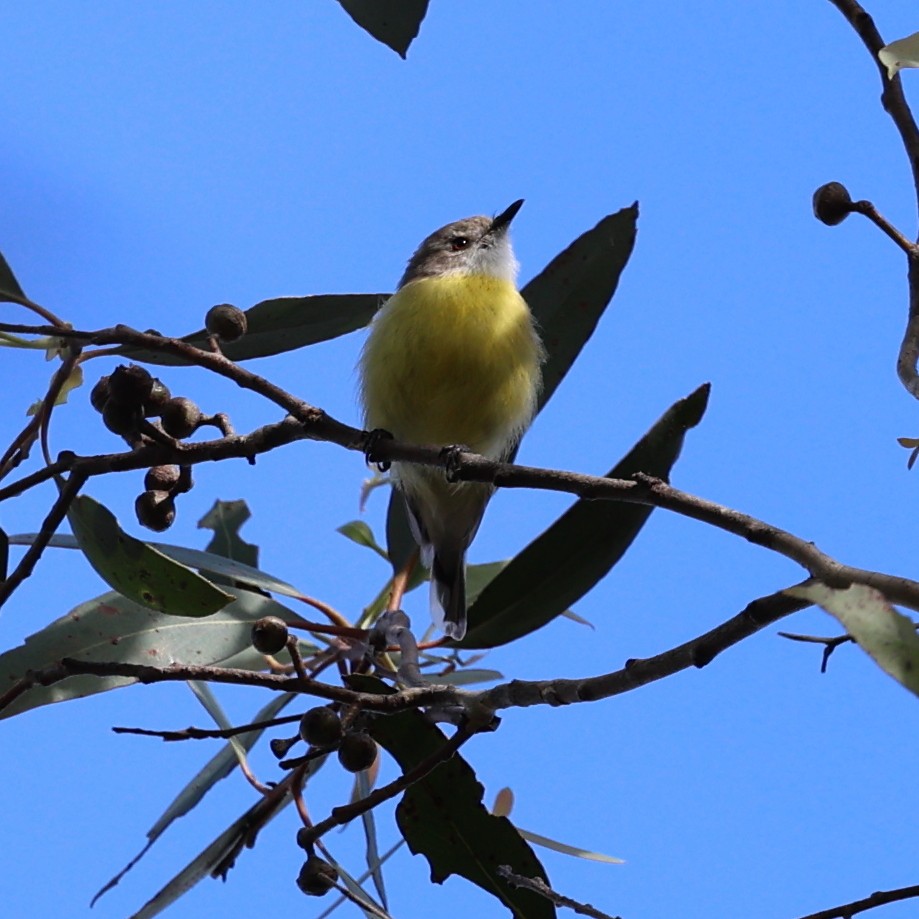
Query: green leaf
x,y
360,880
113,628
478,577
362,786
230,571
393,22
565,849
226,518
359,532
570,294
887,636
9,286
443,818
137,570
218,767
221,852
566,560
283,324
400,544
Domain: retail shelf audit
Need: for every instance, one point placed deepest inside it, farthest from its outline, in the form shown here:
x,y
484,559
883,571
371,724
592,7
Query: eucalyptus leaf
x,y
217,858
282,324
113,628
571,293
368,820
225,519
232,571
886,635
579,548
393,22
359,532
137,570
9,286
225,847
443,818
218,767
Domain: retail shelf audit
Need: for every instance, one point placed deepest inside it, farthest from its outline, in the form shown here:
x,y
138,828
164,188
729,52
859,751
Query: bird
x,y
453,358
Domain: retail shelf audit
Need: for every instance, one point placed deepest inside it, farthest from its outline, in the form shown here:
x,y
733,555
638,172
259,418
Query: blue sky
x,y
158,159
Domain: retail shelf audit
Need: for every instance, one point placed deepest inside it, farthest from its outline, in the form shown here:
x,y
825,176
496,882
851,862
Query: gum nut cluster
x,y
125,398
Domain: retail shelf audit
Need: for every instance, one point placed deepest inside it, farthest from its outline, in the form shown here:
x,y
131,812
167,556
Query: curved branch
x,y
892,97
894,102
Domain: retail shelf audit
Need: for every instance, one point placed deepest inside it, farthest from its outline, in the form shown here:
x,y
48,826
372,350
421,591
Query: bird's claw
x,y
371,442
453,460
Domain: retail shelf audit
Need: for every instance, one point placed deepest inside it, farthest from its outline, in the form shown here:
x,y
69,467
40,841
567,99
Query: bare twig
x,y
347,812
892,96
192,733
829,644
894,102
539,886
879,898
48,528
871,212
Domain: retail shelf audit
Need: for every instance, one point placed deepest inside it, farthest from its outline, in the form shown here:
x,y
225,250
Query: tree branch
x,y
880,898
538,885
892,97
48,528
518,693
894,102
347,812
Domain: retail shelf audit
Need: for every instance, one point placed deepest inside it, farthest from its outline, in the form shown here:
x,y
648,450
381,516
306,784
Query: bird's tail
x,y
448,591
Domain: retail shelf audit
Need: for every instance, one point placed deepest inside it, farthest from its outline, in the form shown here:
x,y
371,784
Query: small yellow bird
x,y
453,357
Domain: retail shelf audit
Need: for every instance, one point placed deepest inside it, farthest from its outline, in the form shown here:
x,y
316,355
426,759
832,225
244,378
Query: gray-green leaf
x,y
136,569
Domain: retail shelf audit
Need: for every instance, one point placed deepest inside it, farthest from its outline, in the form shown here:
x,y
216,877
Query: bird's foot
x,y
371,442
453,460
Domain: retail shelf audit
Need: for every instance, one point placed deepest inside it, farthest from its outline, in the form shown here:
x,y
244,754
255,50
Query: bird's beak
x,y
502,221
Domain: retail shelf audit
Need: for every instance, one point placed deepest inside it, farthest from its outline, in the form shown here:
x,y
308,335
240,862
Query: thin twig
x,y
871,212
49,527
347,812
894,102
193,733
879,898
539,886
829,644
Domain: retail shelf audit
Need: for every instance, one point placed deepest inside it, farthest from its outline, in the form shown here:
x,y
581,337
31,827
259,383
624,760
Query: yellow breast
x,y
453,359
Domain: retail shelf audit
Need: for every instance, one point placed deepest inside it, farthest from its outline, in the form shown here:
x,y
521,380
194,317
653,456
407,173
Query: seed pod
x,y
317,877
155,510
120,418
161,478
320,727
159,396
130,384
180,417
280,746
100,394
357,752
227,322
832,203
269,635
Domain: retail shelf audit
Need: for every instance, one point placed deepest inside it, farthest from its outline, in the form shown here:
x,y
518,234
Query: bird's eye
x,y
459,242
